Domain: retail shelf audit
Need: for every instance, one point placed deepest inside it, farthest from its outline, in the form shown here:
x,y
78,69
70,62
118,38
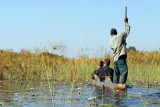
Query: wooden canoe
x,y
107,85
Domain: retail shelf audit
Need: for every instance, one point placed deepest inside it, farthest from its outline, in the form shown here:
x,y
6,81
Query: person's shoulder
x,y
110,68
94,71
123,34
116,37
120,35
98,69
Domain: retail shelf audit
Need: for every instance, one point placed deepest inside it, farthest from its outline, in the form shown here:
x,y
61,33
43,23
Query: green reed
x,y
143,67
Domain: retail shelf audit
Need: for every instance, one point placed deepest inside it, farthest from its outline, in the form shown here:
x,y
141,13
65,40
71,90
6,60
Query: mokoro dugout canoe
x,y
107,84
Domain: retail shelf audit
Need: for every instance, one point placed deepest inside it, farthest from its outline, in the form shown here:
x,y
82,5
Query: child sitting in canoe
x,y
102,72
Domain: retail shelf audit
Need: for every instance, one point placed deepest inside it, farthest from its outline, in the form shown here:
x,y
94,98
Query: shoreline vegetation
x,y
143,67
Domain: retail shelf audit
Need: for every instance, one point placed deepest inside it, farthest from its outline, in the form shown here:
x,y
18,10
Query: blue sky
x,y
83,26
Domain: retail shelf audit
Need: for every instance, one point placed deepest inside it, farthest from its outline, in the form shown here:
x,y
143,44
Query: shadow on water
x,y
41,93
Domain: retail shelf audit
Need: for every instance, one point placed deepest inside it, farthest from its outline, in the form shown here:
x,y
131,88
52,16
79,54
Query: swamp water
x,y
49,94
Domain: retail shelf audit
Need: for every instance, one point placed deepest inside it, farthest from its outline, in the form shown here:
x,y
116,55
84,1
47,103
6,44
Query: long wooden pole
x,y
126,11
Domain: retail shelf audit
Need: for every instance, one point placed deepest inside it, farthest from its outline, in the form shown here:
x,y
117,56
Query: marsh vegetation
x,y
44,78
143,66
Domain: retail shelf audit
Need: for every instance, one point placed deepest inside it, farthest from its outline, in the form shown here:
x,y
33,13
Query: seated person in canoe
x,y
107,70
97,74
101,73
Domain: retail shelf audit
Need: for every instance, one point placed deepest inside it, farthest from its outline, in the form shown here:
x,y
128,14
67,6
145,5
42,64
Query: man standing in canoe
x,y
118,45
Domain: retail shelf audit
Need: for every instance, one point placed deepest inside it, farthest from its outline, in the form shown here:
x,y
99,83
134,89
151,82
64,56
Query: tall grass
x,y
142,66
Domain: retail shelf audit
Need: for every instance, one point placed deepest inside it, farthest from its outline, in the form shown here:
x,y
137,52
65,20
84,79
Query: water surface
x,y
49,93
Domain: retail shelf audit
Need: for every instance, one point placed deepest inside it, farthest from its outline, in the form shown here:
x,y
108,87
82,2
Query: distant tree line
x,y
131,48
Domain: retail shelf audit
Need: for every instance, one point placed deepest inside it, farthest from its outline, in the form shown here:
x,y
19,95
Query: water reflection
x,y
109,96
37,93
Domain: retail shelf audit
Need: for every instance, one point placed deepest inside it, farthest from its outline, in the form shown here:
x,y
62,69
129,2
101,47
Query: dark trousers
x,y
120,69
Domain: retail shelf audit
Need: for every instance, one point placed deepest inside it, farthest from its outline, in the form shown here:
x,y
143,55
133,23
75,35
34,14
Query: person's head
x,y
100,64
107,61
113,31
